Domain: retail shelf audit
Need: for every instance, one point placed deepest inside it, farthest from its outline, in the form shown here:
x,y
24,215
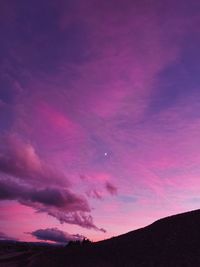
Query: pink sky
x,y
99,111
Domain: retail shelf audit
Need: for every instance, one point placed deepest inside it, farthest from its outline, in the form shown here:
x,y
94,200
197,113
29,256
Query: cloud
x,y
93,193
78,217
111,188
19,159
4,236
26,178
59,203
62,204
52,197
99,185
55,235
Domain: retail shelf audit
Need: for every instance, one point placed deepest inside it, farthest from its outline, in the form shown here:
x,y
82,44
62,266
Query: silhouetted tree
x,y
78,243
74,244
86,242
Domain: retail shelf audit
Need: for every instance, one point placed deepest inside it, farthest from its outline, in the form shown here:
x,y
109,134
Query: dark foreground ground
x,y
173,241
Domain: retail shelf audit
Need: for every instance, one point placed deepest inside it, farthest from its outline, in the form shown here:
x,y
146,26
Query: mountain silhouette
x,y
172,241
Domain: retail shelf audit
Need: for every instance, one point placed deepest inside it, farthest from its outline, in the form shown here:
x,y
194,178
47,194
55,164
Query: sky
x,y
99,116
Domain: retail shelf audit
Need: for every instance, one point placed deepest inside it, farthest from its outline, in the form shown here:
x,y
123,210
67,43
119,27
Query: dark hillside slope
x,y
172,241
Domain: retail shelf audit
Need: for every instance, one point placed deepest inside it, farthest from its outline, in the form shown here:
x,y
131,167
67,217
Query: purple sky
x,y
99,115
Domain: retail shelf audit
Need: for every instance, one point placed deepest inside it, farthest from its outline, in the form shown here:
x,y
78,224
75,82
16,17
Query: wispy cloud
x,y
19,159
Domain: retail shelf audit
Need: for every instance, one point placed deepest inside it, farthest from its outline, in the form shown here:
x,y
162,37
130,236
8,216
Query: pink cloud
x,y
99,185
56,119
20,159
123,69
24,178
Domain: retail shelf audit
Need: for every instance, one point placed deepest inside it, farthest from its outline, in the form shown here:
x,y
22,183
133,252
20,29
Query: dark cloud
x,y
94,194
55,235
112,189
53,197
4,236
60,203
20,160
26,178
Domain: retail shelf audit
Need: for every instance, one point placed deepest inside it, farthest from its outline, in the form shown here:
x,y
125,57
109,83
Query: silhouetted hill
x,y
172,241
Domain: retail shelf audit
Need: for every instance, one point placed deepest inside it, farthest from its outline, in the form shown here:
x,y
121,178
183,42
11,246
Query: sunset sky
x,y
99,115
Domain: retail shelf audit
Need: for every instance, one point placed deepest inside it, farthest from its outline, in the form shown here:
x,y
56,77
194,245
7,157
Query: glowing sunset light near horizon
x,y
99,116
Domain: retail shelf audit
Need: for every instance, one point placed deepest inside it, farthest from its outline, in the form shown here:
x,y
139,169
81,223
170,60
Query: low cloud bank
x,y
56,235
